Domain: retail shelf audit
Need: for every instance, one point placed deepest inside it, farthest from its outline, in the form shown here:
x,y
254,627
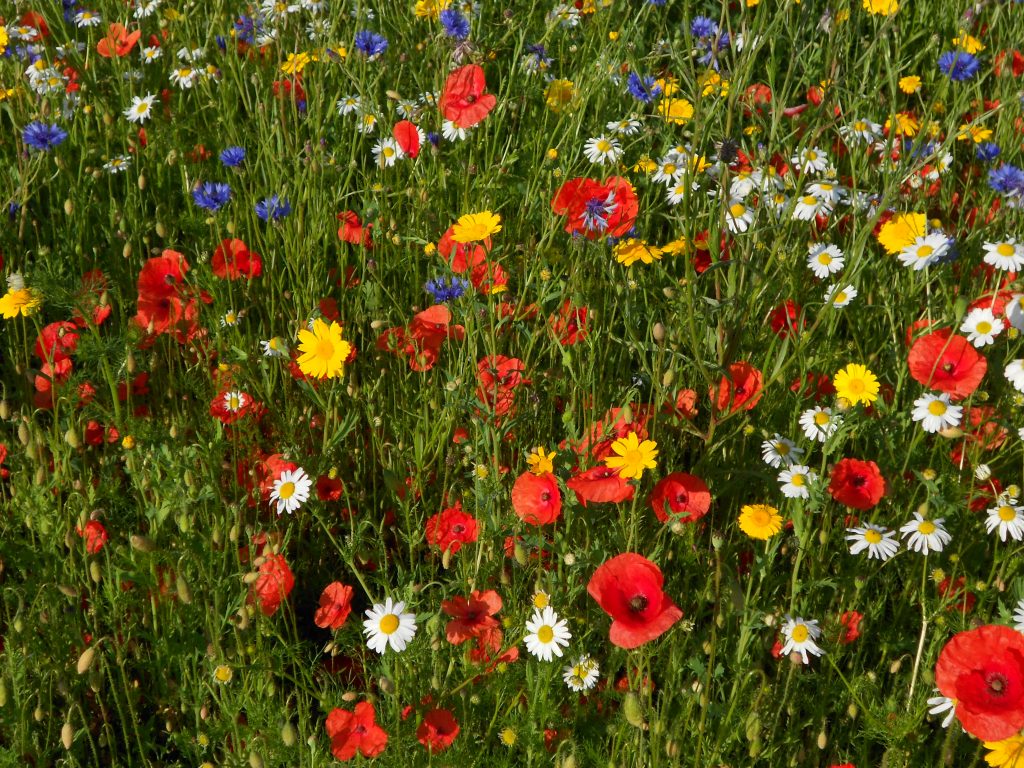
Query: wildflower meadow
x,y
531,383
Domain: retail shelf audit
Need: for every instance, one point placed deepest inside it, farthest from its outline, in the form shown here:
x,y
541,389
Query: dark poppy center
x,y
458,528
858,481
638,603
996,683
740,389
545,496
948,367
360,729
471,99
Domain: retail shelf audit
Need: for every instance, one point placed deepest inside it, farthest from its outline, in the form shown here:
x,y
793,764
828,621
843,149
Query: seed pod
x,y
386,685
86,659
632,710
349,696
71,438
23,434
69,207
95,572
184,593
668,378
142,181
822,739
161,230
894,668
288,735
142,543
658,332
126,252
67,735
255,761
5,410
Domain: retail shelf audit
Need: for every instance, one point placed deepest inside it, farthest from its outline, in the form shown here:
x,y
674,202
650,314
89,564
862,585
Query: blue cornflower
x,y
596,212
642,88
273,208
1007,179
232,157
702,26
455,24
211,195
43,137
246,29
433,137
370,44
987,151
443,291
958,65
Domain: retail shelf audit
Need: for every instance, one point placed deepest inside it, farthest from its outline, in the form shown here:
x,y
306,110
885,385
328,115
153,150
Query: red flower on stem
x,y
947,362
536,499
273,585
463,100
600,484
451,528
438,730
335,606
739,389
471,617
628,588
681,497
352,732
855,483
596,209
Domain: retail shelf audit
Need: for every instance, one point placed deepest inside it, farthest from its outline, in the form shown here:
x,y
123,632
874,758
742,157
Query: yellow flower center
x,y
737,210
924,251
824,259
234,402
286,491
1007,513
799,633
855,386
798,480
872,536
222,673
669,169
782,449
984,327
926,527
839,298
810,200
821,418
388,624
936,408
325,348
1004,249
604,145
811,155
545,634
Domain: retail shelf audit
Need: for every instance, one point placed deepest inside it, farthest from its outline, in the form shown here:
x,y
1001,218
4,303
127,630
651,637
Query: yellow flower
x,y
429,249
508,737
540,461
975,133
645,165
760,521
323,350
560,94
906,124
632,457
552,154
3,39
476,226
676,111
1008,752
222,674
881,7
430,8
23,301
128,442
296,63
630,251
968,43
668,85
541,599
856,384
679,245
900,231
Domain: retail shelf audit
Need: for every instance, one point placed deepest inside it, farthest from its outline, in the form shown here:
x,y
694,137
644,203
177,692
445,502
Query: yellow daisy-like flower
x,y
476,226
630,251
975,133
1008,752
296,63
540,461
323,350
3,39
856,384
968,43
430,9
906,125
676,111
881,7
632,457
560,95
760,521
19,301
901,230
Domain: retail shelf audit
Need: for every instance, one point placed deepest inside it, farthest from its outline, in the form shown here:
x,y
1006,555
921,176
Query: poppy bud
x,y
822,739
126,252
23,433
67,735
142,181
255,761
5,410
184,593
668,377
632,710
288,735
658,333
520,553
71,438
67,590
161,230
95,572
3,693
69,207
85,660
142,543
753,727
386,685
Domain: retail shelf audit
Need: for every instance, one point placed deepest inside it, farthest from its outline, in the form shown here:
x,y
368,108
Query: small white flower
x,y
291,490
924,251
800,636
275,347
1007,255
1014,372
861,131
581,676
1018,616
780,450
812,160
981,327
386,625
625,127
796,481
601,150
738,215
546,634
452,132
939,704
140,108
819,423
1007,519
935,413
840,297
348,105
86,18
880,542
824,260
809,206
386,152
925,535
235,401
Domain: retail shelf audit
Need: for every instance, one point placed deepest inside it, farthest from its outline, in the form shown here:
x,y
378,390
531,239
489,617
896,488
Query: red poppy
x,y
628,588
570,324
353,231
421,340
408,137
982,670
335,606
56,341
498,376
462,257
273,585
596,209
233,260
786,319
161,275
850,621
352,732
684,406
438,730
600,484
118,41
613,426
95,536
816,385
681,497
960,599
536,499
981,432
463,100
855,483
451,528
329,488
473,617
947,362
740,388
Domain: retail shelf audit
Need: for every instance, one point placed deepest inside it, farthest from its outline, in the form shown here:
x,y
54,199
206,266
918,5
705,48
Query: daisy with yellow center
x,y
387,626
323,350
474,227
632,457
290,490
547,634
760,521
856,384
541,461
222,674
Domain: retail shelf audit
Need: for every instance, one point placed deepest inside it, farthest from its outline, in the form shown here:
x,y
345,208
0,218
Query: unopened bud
x,y
85,660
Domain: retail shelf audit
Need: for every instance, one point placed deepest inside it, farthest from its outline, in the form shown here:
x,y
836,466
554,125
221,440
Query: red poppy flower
x,y
600,484
681,497
981,432
408,137
855,483
960,599
947,362
786,319
596,209
684,406
451,528
118,41
329,488
473,617
816,385
628,588
462,257
57,341
161,275
353,231
273,585
463,100
421,340
850,621
982,670
570,324
438,730
740,388
232,261
335,606
498,376
536,499
352,732
95,536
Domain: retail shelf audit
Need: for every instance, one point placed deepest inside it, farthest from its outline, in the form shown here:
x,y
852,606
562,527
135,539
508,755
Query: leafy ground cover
x,y
599,383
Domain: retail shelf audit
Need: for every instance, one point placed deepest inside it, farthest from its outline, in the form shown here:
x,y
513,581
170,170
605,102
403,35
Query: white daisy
x,y
1007,518
1007,254
738,215
275,347
229,319
824,260
625,127
546,633
118,164
1014,311
184,77
668,172
828,191
935,413
367,123
86,18
840,297
1018,616
925,535
677,192
386,152
150,53
981,327
386,625
939,704
780,450
861,131
777,203
581,676
744,182
878,541
146,9
348,104
924,251
812,160
140,108
291,490
601,150
452,132
796,481
407,108
235,401
809,206
800,636
819,423
1014,372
